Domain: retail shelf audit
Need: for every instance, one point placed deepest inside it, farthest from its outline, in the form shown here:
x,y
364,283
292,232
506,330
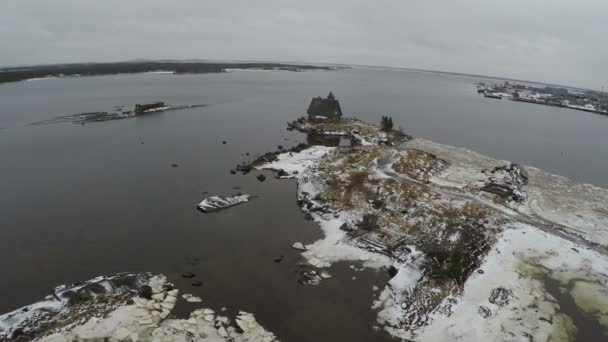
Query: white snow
x,y
298,161
334,247
520,256
137,322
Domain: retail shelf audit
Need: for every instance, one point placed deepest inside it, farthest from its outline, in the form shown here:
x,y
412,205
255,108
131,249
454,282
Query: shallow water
x,y
83,200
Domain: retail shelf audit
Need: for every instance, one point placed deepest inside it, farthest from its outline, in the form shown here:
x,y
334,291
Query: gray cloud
x,y
559,41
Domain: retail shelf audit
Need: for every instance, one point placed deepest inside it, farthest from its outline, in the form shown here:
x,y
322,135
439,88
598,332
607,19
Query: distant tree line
x,y
90,69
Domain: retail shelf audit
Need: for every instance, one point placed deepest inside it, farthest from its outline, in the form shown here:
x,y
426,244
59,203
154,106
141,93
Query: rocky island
x,y
471,243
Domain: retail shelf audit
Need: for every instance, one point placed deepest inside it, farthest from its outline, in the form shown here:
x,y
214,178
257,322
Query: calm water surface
x,y
79,201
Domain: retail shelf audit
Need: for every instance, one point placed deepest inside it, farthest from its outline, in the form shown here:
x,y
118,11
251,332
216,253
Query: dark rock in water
x,y
224,142
246,153
282,173
392,271
480,271
167,287
233,172
261,178
295,172
280,147
188,275
245,169
197,283
175,165
278,259
145,292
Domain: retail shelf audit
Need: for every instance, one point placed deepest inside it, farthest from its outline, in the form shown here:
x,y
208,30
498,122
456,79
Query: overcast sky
x,y
559,41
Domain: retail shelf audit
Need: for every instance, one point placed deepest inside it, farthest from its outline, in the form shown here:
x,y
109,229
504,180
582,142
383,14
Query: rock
x,y
295,172
325,275
150,305
261,178
278,259
500,296
197,283
122,333
224,142
392,271
188,275
484,311
282,173
233,172
222,332
158,297
175,165
280,147
145,292
299,246
167,306
480,271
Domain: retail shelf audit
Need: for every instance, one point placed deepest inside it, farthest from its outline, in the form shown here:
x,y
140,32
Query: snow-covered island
x,y
478,249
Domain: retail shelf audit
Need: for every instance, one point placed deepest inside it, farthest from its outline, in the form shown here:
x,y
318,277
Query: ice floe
x,y
217,203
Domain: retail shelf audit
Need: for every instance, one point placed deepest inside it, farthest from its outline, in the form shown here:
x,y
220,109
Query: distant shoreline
x,y
17,74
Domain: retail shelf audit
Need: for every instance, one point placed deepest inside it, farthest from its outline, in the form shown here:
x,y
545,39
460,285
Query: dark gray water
x,y
79,201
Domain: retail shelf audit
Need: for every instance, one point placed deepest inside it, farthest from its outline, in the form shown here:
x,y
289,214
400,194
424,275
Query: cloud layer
x,y
554,41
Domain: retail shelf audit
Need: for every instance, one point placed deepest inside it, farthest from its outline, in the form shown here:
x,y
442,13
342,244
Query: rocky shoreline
x,y
125,307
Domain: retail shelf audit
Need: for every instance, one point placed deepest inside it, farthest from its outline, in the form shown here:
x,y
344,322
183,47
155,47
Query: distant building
x,y
321,109
140,108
